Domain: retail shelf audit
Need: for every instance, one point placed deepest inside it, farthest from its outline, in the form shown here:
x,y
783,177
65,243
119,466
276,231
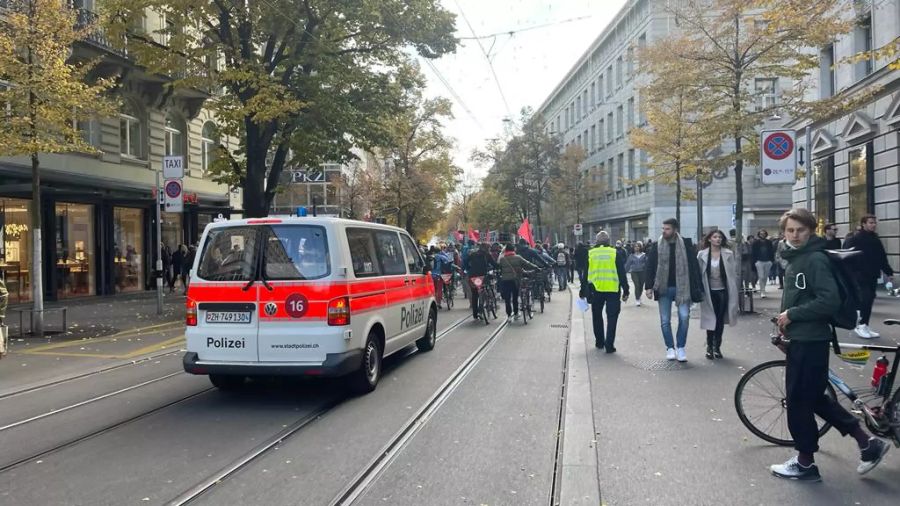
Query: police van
x,y
309,296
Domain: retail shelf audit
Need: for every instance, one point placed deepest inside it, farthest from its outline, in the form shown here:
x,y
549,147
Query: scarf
x,y
682,276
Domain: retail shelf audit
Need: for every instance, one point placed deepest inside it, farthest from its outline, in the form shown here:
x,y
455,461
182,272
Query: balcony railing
x,y
97,35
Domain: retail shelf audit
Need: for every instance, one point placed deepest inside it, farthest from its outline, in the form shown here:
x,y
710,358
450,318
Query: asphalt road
x,y
160,432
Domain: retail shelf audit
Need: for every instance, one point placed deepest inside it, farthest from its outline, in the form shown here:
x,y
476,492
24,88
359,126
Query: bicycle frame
x,y
881,391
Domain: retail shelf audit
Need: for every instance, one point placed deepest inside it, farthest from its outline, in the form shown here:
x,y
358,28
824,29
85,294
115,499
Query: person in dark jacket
x,y
832,241
530,254
763,252
869,267
810,298
479,263
671,269
581,261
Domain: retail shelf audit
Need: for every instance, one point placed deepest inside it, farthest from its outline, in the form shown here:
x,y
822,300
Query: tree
x,y
573,187
422,173
304,80
491,211
522,170
357,187
46,96
731,43
675,135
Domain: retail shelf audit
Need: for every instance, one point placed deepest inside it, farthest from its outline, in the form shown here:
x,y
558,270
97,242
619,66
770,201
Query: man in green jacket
x,y
810,298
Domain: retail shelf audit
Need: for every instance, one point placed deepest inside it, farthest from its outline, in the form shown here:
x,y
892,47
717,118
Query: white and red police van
x,y
305,296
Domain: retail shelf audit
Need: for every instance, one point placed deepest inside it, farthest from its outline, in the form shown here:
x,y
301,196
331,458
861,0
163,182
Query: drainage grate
x,y
559,326
661,365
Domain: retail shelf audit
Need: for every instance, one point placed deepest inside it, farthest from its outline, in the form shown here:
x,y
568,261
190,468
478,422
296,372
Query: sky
x,y
528,64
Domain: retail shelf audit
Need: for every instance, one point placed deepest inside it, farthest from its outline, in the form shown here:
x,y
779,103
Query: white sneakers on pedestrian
x,y
762,294
637,303
863,331
670,353
682,356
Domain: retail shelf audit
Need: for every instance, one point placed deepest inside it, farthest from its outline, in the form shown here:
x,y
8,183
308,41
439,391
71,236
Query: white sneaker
x,y
670,353
762,294
637,303
872,332
682,356
863,331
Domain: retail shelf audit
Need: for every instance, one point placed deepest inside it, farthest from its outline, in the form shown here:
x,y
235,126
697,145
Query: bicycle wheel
x,y
893,414
761,403
482,308
523,307
492,304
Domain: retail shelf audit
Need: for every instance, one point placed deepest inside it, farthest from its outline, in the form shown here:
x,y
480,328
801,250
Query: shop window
x,y
861,190
172,230
75,266
823,176
15,248
128,236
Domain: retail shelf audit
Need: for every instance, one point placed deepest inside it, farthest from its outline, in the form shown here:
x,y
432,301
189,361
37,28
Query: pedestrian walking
x,y
748,270
581,260
479,262
718,272
562,266
177,264
673,276
167,263
512,267
780,263
832,241
810,298
188,265
606,277
635,266
571,251
763,257
869,267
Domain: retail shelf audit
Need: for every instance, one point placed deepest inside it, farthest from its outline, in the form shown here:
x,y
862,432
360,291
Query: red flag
x,y
474,235
458,235
525,232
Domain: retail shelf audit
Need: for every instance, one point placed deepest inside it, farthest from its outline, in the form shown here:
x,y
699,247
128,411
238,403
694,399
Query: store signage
x,y
173,167
307,176
778,156
173,194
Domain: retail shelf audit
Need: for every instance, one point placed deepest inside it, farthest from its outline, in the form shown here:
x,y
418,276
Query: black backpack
x,y
842,265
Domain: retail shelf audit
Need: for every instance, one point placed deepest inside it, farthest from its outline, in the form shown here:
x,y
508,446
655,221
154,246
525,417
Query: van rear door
x,y
225,297
293,302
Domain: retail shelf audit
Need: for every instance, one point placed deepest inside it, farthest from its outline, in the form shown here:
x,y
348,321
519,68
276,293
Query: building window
x,y
827,86
600,89
611,174
593,93
823,177
629,62
578,105
609,81
175,135
619,121
89,129
621,172
631,165
642,170
765,94
593,138
209,142
584,103
131,133
15,247
630,117
864,43
74,249
601,133
129,248
619,71
861,175
609,128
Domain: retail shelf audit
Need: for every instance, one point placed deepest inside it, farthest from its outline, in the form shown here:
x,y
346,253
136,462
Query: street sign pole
x,y
159,263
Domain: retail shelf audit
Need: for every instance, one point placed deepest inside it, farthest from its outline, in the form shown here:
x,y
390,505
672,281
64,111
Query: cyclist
x,y
810,298
443,264
479,263
512,266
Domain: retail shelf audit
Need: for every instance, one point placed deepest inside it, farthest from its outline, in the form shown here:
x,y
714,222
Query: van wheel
x,y
226,382
426,342
365,379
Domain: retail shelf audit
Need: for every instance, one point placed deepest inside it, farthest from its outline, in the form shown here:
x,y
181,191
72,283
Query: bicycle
x,y
448,289
525,287
485,298
766,417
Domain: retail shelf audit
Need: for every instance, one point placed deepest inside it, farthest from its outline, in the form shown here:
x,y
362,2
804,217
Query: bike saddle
x,y
891,321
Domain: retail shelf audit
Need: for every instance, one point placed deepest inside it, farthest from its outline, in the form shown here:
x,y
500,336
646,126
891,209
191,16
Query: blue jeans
x,y
666,299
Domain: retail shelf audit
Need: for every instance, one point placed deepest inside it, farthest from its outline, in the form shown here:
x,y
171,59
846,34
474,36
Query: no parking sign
x,y
778,157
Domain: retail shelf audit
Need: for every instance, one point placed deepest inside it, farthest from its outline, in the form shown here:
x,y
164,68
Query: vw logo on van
x,y
271,309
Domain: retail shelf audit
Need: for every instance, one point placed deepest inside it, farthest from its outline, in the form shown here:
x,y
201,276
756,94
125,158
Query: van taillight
x,y
190,314
339,311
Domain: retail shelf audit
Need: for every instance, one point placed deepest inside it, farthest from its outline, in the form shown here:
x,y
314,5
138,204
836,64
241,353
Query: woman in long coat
x,y
719,272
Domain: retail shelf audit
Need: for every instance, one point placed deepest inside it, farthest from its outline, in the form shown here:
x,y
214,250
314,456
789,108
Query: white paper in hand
x,y
582,305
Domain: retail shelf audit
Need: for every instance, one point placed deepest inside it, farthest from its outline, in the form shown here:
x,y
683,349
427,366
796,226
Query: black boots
x,y
713,346
717,347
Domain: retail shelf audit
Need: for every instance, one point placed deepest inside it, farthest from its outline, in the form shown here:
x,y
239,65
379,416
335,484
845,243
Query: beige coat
x,y
707,314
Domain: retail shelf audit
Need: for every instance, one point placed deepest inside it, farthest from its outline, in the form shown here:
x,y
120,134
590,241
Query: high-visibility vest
x,y
602,272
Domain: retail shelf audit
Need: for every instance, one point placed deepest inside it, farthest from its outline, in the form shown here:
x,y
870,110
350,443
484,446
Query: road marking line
x,y
91,340
154,347
140,351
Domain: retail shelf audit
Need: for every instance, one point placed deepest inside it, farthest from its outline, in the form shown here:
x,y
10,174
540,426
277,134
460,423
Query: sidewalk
x,y
668,432
103,332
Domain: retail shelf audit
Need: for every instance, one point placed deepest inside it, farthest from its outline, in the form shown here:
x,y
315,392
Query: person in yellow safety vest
x,y
605,277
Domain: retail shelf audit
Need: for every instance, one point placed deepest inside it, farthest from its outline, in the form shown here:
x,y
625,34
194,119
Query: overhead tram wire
x,y
525,29
486,57
453,93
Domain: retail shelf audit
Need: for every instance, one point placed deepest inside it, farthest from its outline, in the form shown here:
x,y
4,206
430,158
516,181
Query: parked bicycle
x,y
760,398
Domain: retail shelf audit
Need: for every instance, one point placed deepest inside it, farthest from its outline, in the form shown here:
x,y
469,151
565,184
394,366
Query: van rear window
x,y
297,252
229,254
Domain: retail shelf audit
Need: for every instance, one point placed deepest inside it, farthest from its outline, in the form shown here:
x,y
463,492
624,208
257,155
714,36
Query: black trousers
x,y
866,298
474,300
806,378
719,299
509,290
613,306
